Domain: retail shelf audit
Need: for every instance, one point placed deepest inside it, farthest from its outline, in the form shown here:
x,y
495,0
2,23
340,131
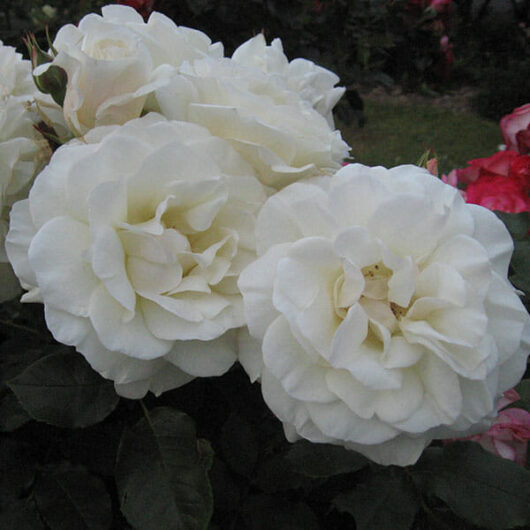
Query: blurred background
x,y
420,74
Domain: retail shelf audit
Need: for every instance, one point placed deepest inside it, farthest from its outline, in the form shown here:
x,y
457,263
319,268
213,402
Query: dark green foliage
x,y
73,498
523,388
463,475
21,515
323,460
263,512
63,390
239,445
519,227
503,89
160,476
386,501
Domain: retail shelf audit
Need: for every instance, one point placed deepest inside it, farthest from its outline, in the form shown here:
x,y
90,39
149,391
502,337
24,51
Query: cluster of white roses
x,y
23,151
199,216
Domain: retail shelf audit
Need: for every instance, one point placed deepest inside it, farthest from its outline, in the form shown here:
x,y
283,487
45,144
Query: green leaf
x,y
63,390
73,499
239,445
387,501
17,469
12,415
206,453
523,388
264,512
20,515
276,474
15,356
323,460
226,494
161,479
94,447
521,265
517,224
486,490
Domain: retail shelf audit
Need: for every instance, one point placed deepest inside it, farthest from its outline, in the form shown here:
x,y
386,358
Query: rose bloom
x,y
495,192
497,164
271,126
133,237
499,182
23,151
16,81
515,128
381,312
315,84
509,433
114,61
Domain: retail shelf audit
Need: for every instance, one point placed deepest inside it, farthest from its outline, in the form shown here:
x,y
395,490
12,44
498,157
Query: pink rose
x,y
512,124
496,164
451,178
498,182
509,433
523,140
448,58
441,5
520,169
495,192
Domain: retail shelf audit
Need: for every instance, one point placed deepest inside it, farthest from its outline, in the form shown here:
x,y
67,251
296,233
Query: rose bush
x,y
385,318
515,128
23,151
114,61
133,237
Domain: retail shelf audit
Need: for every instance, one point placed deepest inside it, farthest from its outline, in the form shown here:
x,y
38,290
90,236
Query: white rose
x,y
278,133
15,80
167,43
114,61
315,84
384,312
23,151
133,238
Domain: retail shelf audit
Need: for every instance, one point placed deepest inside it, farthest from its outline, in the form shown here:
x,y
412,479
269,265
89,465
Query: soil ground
x,y
458,100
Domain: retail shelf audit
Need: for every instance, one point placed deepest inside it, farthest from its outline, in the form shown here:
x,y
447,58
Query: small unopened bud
x,y
51,79
429,161
36,54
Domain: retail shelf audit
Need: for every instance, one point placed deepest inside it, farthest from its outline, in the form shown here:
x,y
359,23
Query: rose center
x,y
110,49
397,310
373,298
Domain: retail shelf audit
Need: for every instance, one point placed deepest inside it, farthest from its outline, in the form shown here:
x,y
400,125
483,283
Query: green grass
x,y
398,133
